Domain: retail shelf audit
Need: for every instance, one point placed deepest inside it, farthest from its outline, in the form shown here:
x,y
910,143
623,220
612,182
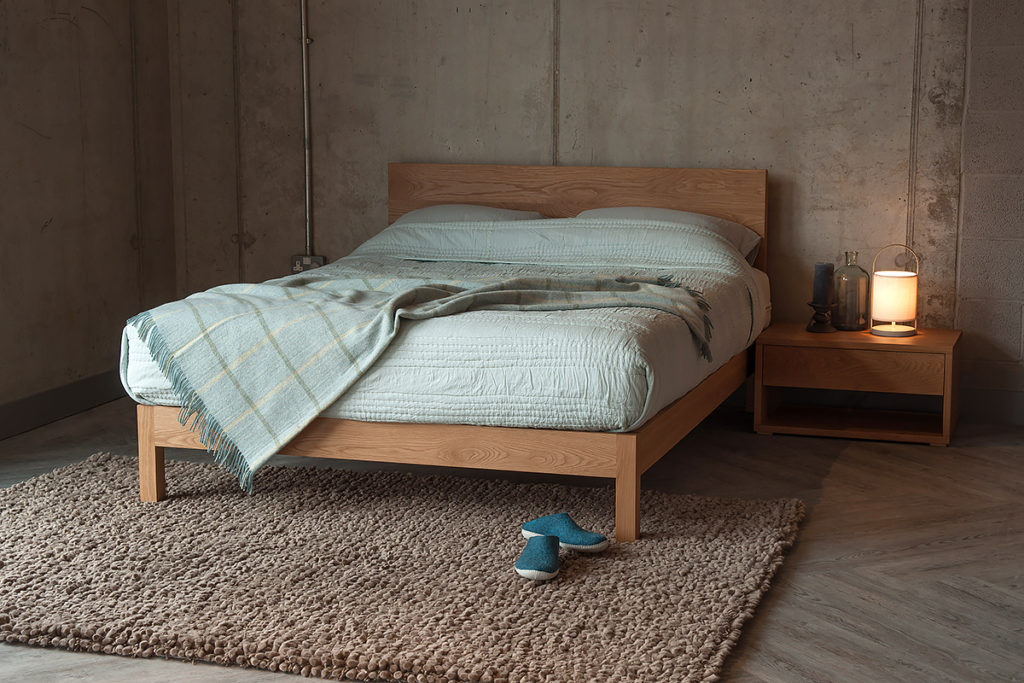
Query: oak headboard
x,y
564,191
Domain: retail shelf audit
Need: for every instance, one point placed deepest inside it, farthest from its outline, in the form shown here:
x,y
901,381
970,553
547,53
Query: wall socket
x,y
303,262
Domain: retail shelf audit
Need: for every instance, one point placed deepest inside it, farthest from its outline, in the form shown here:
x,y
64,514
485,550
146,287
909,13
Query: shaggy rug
x,y
378,576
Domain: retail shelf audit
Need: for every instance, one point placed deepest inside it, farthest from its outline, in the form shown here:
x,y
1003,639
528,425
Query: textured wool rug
x,y
378,576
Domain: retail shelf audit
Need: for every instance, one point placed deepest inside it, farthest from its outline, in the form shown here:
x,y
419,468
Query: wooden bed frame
x,y
556,191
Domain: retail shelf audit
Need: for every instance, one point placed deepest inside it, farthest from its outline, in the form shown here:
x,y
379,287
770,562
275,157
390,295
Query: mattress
x,y
607,369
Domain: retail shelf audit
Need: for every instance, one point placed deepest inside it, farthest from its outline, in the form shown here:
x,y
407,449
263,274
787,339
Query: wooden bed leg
x,y
627,492
152,486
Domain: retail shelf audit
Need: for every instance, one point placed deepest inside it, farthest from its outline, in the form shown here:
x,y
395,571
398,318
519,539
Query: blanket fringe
x,y
703,343
666,280
211,434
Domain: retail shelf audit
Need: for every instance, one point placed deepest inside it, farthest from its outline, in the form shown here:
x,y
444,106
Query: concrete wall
x,y
204,135
829,102
856,112
69,217
991,254
427,81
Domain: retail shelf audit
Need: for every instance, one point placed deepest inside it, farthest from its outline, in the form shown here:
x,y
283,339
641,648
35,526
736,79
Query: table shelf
x,y
792,361
854,423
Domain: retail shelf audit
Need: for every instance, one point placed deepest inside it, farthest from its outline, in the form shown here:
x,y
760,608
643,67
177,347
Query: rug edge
x,y
794,510
790,511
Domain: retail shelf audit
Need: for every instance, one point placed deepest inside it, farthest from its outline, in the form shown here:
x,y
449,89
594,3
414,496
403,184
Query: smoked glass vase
x,y
852,282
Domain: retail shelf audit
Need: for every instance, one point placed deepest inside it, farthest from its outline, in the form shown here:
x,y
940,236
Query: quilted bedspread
x,y
252,364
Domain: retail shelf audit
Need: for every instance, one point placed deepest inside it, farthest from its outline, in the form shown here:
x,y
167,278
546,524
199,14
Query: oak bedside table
x,y
791,361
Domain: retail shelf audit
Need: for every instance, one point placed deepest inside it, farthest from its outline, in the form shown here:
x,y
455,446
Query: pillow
x,y
446,213
746,241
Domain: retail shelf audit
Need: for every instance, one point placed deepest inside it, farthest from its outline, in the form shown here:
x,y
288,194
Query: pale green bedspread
x,y
252,364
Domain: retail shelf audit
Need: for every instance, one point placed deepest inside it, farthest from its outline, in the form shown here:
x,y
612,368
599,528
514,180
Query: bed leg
x,y
627,493
152,486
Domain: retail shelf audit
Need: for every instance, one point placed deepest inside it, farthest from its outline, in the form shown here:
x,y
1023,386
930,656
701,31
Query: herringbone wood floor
x,y
909,565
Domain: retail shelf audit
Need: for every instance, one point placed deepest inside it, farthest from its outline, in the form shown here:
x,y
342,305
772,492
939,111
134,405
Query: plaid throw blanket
x,y
253,364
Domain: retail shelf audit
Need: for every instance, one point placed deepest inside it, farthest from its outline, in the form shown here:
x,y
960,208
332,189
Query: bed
x,y
735,195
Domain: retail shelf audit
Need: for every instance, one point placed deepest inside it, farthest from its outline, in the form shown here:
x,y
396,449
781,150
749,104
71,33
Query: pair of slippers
x,y
544,536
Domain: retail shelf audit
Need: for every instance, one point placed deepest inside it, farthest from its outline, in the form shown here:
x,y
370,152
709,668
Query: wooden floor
x,y
909,566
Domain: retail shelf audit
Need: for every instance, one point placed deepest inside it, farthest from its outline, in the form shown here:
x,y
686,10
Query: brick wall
x,y
991,254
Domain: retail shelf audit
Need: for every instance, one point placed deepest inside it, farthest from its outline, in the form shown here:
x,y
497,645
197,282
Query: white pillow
x,y
746,241
446,213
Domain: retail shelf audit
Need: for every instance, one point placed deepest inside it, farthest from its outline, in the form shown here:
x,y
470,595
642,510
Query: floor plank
x,y
908,567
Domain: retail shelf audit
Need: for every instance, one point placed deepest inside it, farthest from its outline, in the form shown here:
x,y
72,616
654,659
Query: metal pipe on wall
x,y
307,261
306,134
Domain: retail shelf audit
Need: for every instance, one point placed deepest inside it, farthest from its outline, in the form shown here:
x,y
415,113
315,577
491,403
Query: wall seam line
x,y
915,106
237,106
183,286
556,57
136,163
959,240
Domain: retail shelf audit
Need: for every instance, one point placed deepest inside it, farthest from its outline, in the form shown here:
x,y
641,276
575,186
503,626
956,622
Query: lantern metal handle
x,y
917,259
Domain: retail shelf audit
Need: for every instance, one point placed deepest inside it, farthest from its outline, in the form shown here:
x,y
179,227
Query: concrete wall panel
x,y
270,136
997,22
67,201
992,329
990,269
992,240
993,206
441,81
204,144
997,73
153,154
993,142
823,100
935,138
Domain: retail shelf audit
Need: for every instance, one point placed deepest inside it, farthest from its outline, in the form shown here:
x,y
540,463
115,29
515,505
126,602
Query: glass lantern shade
x,y
894,302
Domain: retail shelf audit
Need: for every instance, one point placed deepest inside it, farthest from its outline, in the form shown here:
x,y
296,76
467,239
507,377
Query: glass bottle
x,y
852,281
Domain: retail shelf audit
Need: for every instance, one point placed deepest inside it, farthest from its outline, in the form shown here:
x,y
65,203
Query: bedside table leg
x,y
759,398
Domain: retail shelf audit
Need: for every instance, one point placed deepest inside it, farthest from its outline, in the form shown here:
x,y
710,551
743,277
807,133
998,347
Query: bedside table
x,y
790,359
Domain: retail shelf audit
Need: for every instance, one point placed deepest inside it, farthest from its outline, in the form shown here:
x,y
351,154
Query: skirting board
x,y
60,402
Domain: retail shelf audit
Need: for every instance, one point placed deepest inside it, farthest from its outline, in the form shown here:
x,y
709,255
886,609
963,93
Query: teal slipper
x,y
569,534
539,559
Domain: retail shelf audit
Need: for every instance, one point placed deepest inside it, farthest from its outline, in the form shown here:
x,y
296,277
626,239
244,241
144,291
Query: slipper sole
x,y
536,574
595,548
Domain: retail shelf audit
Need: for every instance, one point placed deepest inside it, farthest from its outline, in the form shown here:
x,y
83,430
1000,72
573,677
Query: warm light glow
x,y
894,296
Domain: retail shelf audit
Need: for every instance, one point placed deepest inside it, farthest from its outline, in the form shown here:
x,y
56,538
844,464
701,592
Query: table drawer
x,y
853,370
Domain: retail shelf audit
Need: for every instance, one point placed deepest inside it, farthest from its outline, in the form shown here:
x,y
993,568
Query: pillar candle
x,y
823,285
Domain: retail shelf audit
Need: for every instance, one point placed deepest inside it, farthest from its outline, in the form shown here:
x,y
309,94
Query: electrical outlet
x,y
303,262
